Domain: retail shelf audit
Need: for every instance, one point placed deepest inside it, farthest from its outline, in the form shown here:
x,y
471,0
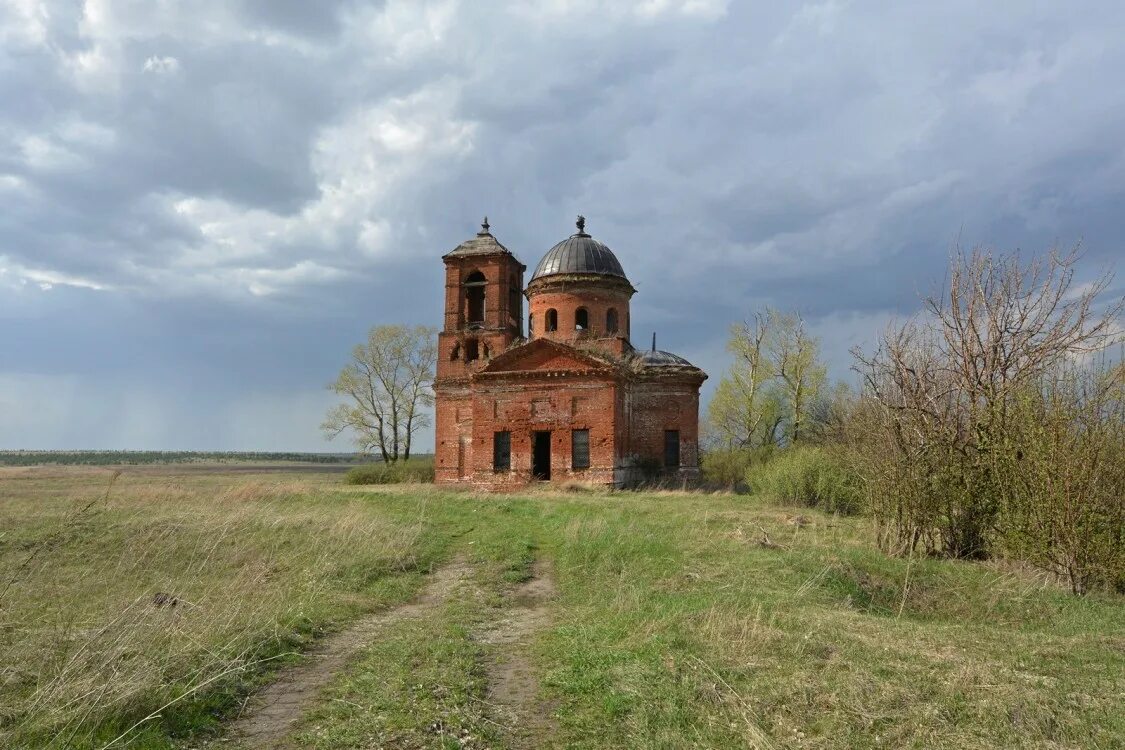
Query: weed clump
x,y
414,471
811,477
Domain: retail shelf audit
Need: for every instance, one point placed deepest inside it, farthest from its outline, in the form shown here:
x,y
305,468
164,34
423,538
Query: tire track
x,y
271,714
513,683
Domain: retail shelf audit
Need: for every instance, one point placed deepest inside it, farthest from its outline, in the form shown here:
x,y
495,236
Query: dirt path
x,y
270,714
513,686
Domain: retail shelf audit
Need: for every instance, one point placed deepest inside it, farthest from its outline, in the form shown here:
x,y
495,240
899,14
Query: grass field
x,y
668,623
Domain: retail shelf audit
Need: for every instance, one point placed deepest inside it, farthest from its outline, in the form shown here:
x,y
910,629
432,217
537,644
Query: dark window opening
x,y
456,354
581,319
671,449
501,451
580,449
552,320
474,294
530,325
472,350
611,320
514,311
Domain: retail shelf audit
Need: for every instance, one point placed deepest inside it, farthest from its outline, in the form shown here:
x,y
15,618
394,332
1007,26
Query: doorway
x,y
541,456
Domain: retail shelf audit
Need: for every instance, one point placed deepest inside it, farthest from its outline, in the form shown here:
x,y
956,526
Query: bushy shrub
x,y
812,477
1062,477
729,467
945,433
416,470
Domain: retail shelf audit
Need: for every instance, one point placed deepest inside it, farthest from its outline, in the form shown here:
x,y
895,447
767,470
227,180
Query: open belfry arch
x,y
570,398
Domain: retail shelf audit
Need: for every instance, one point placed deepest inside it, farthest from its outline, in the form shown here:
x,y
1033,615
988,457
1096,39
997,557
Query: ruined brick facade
x,y
569,400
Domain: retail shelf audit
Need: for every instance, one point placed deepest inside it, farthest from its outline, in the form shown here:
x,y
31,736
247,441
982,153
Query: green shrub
x,y
811,477
730,467
414,471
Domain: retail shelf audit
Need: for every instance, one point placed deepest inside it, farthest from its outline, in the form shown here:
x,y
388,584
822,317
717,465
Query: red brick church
x,y
571,400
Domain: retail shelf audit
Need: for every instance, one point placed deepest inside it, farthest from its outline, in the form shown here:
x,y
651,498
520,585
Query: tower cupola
x,y
483,303
579,291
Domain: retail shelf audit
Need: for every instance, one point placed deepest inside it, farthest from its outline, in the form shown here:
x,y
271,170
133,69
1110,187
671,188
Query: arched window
x,y
552,323
530,324
474,294
456,353
472,350
581,319
611,320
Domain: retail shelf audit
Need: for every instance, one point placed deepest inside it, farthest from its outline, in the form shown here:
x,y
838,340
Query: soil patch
x,y
272,712
513,685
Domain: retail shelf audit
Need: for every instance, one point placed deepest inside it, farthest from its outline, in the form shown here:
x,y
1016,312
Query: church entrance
x,y
541,456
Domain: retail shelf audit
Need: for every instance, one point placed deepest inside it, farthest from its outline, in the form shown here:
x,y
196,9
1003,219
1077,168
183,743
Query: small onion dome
x,y
579,253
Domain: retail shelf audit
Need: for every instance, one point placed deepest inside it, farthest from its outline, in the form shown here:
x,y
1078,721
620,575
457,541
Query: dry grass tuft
x,y
167,592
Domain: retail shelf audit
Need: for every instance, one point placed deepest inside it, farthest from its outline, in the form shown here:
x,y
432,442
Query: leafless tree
x,y
387,387
942,386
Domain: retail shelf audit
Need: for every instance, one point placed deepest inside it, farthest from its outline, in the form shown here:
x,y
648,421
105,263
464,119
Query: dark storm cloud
x,y
207,203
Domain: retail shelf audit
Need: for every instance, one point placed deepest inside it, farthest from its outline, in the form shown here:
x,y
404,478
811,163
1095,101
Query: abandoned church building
x,y
570,400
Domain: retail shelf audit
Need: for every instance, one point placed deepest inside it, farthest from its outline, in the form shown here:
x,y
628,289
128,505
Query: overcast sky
x,y
204,204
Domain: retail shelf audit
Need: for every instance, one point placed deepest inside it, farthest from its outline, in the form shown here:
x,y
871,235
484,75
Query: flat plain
x,y
173,608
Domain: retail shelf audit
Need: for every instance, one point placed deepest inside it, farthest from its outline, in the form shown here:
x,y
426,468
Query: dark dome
x,y
579,253
658,358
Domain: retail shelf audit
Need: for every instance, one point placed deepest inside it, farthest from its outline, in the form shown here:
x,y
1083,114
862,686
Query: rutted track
x,y
513,684
271,714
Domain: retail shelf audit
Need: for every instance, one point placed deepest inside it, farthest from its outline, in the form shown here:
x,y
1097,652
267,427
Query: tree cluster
x,y
993,421
773,389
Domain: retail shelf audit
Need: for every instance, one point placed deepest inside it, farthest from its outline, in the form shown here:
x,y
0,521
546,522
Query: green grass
x,y
673,627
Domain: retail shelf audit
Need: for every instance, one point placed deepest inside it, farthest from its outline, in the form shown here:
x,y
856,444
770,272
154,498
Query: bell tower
x,y
483,304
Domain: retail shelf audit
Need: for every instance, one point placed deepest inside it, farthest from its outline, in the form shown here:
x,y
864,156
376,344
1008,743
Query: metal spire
x,y
654,340
484,226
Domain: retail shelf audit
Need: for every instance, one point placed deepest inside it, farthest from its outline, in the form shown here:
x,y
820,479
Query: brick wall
x,y
659,404
555,403
565,298
453,424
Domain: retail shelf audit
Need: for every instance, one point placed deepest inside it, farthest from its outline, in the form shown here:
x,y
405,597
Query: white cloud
x,y
161,65
403,30
359,163
12,183
66,147
42,153
45,279
23,23
624,10
264,281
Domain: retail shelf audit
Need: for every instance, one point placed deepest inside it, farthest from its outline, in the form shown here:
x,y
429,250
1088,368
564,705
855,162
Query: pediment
x,y
544,355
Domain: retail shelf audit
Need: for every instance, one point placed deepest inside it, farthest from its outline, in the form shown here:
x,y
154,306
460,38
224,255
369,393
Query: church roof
x,y
659,362
543,356
659,358
483,244
579,253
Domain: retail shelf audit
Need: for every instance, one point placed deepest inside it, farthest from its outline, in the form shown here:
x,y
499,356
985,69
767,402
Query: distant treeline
x,y
104,458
